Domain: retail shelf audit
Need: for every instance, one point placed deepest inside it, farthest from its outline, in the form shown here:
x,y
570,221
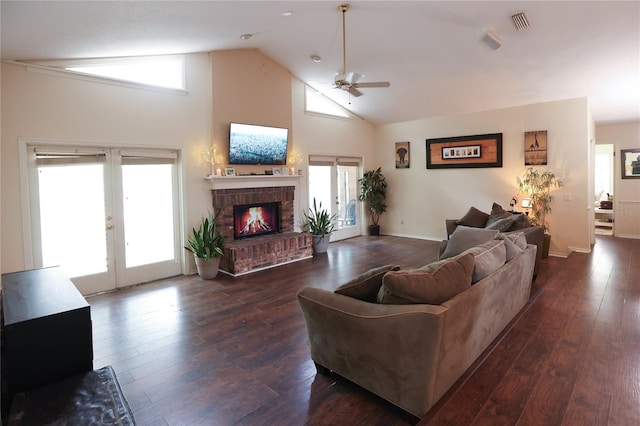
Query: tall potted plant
x,y
207,245
320,224
373,191
537,186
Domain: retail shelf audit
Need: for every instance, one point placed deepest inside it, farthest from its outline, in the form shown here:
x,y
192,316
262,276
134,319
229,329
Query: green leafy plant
x,y
206,242
537,185
318,221
373,191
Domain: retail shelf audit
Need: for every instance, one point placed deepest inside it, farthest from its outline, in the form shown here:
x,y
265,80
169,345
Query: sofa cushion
x,y
465,237
519,239
366,285
474,218
427,286
512,249
520,221
488,258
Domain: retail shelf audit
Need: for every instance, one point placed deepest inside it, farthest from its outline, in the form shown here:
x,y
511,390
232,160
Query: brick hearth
x,y
252,254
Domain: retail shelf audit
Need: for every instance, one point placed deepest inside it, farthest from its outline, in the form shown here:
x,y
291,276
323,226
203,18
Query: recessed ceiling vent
x,y
520,21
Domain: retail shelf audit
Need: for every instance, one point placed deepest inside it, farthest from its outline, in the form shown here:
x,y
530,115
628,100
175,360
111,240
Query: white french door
x,y
108,217
334,182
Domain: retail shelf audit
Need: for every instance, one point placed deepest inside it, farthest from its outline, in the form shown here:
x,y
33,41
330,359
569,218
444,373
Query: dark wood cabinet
x,y
47,329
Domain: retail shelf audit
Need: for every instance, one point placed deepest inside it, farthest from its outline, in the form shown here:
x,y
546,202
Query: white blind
x,y
59,157
324,160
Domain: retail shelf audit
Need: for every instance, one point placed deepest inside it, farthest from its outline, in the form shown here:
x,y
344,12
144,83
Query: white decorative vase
x,y
320,243
207,268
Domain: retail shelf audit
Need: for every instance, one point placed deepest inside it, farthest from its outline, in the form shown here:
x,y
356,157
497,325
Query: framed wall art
x,y
402,155
630,163
535,148
465,151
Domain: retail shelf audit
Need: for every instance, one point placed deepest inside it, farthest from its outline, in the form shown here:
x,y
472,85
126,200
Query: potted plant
x,y
320,224
207,245
537,186
373,191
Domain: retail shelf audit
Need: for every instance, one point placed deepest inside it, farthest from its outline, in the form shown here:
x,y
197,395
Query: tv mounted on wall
x,y
257,145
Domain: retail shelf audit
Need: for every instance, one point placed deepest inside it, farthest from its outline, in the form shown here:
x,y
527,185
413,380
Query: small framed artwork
x,y
535,148
402,155
230,171
630,163
465,152
277,171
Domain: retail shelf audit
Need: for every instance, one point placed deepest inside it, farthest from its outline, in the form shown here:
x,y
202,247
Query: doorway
x,y
604,189
334,182
108,217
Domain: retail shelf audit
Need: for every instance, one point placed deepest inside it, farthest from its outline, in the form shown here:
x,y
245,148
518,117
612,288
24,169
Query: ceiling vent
x,y
520,21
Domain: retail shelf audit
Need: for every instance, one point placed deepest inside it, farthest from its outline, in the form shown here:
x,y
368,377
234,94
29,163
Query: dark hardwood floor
x,y
235,350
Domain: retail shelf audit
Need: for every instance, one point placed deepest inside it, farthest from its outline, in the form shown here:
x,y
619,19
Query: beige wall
x,y
421,199
626,191
248,87
47,106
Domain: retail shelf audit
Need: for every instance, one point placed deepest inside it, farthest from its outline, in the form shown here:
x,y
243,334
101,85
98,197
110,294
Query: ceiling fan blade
x,y
354,92
373,84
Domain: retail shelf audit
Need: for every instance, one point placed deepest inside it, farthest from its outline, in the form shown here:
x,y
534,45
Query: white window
x,y
161,71
318,103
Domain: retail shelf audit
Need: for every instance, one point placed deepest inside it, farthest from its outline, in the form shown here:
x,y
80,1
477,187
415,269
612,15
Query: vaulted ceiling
x,y
429,51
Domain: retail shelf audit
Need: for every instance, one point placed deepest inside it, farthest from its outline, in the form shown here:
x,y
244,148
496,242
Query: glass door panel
x,y
347,201
148,214
320,186
72,218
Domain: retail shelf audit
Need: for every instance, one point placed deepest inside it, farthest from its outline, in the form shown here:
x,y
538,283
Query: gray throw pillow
x,y
465,237
366,285
512,249
474,218
488,258
501,224
427,286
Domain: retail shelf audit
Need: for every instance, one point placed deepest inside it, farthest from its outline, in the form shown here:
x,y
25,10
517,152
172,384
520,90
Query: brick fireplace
x,y
256,253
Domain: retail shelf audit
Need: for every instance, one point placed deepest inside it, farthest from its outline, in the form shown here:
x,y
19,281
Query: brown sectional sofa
x,y
514,222
411,354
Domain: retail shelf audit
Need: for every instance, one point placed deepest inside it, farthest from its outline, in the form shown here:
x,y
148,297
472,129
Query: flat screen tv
x,y
258,145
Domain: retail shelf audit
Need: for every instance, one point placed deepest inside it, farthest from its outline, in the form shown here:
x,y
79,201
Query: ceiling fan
x,y
348,81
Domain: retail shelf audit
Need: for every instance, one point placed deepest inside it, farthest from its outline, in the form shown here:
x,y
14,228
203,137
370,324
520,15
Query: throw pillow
x,y
488,258
432,287
465,237
497,213
366,285
474,218
501,224
519,239
512,249
520,221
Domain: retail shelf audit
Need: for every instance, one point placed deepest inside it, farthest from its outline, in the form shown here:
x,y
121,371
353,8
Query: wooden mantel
x,y
252,181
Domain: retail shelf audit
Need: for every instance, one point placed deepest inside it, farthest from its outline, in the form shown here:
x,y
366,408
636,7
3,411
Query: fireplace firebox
x,y
252,220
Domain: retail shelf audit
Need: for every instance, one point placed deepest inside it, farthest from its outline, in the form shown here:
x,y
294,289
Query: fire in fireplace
x,y
252,220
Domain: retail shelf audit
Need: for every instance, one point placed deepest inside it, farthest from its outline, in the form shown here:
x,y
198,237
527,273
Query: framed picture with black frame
x,y
465,152
630,163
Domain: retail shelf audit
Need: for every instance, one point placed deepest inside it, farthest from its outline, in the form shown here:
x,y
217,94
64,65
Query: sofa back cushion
x,y
474,218
487,258
430,286
465,237
366,285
